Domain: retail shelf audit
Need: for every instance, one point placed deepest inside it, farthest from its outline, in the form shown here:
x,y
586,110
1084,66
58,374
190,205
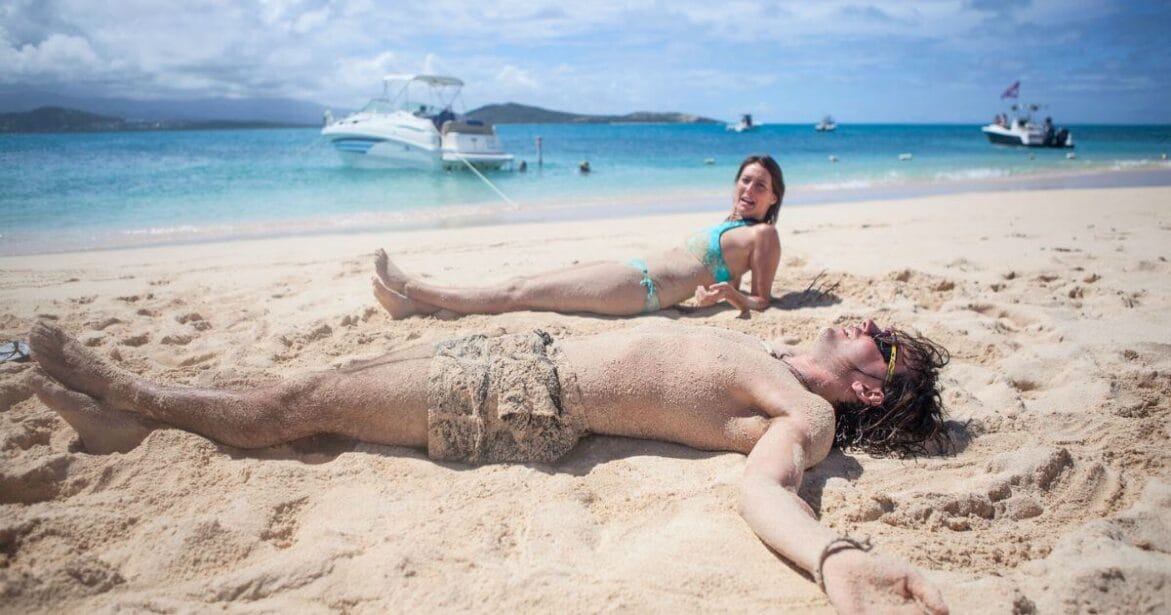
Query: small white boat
x,y
1017,127
826,124
401,129
744,125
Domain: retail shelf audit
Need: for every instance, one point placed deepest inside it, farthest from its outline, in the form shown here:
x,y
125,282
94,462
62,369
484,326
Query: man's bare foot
x,y
101,430
391,276
68,362
397,305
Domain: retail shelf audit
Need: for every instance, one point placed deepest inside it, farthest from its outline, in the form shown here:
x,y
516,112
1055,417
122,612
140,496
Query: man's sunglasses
x,y
888,347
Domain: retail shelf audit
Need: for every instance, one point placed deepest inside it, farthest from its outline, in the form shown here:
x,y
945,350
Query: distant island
x,y
63,119
60,119
514,113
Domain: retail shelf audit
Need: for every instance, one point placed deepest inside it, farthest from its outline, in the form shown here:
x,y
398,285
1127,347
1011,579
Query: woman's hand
x,y
721,291
858,582
711,295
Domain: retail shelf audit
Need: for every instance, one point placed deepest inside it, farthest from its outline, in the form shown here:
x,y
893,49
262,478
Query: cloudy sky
x,y
784,61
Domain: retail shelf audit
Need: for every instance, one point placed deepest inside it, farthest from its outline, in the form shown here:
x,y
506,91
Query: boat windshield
x,y
379,105
382,105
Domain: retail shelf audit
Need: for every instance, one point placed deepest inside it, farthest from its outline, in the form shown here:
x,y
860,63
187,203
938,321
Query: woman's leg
x,y
382,401
608,288
396,304
388,286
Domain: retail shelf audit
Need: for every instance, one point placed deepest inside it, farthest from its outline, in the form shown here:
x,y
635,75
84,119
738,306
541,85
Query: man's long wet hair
x,y
778,180
909,421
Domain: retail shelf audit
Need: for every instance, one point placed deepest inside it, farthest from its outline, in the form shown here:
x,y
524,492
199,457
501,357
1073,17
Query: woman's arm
x,y
855,581
762,262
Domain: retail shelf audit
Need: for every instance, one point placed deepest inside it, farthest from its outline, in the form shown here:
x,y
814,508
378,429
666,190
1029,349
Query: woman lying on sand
x,y
708,266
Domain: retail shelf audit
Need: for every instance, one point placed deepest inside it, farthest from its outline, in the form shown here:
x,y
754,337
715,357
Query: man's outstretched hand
x,y
858,582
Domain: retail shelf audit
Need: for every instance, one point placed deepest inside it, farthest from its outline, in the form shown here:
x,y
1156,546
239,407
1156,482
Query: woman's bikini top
x,y
705,246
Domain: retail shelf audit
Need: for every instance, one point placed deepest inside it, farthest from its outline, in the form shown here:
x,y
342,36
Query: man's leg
x,y
382,401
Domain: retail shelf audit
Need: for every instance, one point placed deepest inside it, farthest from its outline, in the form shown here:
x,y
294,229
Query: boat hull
x,y
1026,137
404,141
385,154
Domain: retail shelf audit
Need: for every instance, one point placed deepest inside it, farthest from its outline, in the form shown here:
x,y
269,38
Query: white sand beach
x,y
1056,307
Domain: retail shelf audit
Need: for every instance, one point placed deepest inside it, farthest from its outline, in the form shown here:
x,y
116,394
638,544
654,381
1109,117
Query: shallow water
x,y
102,190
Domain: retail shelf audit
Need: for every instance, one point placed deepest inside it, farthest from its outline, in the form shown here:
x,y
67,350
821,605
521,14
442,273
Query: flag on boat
x,y
1012,91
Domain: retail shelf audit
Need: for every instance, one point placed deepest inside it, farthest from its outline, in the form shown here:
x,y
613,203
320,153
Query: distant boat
x,y
401,132
744,125
1018,128
826,124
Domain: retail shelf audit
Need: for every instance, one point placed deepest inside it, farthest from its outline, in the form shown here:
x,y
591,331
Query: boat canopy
x,y
435,80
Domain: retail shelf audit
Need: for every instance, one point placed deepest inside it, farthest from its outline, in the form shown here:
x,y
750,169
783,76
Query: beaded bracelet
x,y
838,544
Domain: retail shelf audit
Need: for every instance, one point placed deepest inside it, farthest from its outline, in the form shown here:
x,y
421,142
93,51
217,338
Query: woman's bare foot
x,y
397,305
101,430
65,360
392,277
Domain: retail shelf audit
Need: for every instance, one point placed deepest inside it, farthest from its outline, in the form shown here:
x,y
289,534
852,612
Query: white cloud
x,y
58,57
310,20
363,74
514,78
691,55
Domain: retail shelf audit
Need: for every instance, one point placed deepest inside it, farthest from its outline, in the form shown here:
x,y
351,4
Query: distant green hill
x,y
60,119
513,113
63,119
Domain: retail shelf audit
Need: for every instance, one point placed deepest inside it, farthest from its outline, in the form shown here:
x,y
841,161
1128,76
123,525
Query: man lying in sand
x,y
529,398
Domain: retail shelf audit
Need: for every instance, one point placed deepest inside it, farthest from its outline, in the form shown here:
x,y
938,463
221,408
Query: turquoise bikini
x,y
652,293
703,245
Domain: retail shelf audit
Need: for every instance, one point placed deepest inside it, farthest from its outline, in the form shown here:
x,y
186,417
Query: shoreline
x,y
635,205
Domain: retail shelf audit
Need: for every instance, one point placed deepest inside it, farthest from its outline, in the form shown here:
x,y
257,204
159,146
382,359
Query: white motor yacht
x,y
827,124
405,128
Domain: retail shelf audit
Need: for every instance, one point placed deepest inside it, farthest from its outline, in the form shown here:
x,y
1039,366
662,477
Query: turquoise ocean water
x,y
105,190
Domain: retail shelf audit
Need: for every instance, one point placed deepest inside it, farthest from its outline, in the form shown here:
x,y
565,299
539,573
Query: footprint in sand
x,y
28,433
33,481
1139,392
1021,484
197,359
135,341
1006,318
101,325
283,522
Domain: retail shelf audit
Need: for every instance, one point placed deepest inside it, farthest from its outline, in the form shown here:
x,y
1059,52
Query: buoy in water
x,y
1071,156
904,157
833,158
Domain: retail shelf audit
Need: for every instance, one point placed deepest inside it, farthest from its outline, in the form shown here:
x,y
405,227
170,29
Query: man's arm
x,y
855,581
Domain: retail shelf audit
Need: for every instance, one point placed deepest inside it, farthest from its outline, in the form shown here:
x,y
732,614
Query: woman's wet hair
x,y
778,181
909,421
